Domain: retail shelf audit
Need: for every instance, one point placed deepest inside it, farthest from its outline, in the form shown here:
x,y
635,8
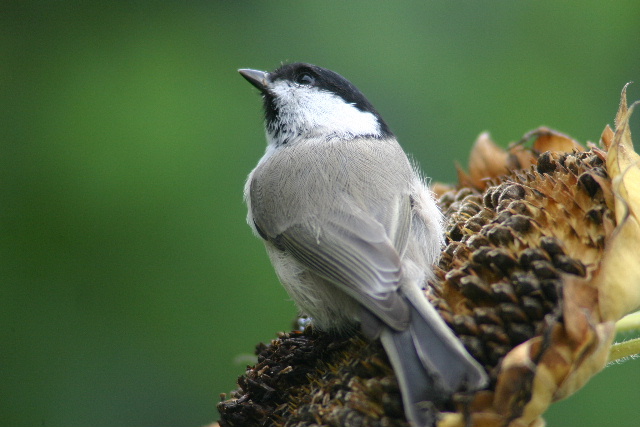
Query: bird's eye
x,y
305,79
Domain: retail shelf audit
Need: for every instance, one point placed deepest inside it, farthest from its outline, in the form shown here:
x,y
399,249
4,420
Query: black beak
x,y
257,78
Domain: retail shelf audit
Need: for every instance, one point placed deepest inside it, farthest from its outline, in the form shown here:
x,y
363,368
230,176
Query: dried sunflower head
x,y
538,268
540,263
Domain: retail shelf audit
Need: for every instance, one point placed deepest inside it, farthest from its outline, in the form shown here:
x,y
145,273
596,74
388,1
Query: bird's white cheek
x,y
309,111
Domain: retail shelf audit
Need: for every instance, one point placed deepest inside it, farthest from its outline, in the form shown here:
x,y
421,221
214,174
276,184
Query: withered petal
x,y
619,275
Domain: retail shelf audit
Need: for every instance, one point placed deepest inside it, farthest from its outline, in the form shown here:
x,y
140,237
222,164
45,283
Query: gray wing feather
x,y
360,260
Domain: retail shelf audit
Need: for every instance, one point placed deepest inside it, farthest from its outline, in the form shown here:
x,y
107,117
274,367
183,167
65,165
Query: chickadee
x,y
352,230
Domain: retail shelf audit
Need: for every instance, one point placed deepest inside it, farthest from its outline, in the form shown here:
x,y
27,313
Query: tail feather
x,y
440,350
430,362
419,389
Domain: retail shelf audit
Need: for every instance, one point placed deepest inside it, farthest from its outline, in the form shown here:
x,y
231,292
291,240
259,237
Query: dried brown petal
x,y
551,140
487,160
607,137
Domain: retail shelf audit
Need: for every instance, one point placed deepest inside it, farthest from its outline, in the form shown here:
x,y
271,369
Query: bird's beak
x,y
257,78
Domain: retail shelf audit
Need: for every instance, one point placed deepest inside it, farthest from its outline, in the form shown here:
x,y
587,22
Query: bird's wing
x,y
353,251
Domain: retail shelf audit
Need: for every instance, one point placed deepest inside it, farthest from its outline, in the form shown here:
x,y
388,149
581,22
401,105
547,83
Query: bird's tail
x,y
429,361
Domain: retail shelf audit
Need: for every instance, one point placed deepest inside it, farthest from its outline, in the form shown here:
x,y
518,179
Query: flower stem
x,y
624,349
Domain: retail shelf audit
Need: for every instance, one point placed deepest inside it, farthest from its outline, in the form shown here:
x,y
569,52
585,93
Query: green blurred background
x,y
131,289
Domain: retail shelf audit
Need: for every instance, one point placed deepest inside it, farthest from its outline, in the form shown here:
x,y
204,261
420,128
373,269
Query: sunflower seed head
x,y
510,246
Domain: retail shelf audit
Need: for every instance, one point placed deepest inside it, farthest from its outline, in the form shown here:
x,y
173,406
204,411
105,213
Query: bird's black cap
x,y
315,76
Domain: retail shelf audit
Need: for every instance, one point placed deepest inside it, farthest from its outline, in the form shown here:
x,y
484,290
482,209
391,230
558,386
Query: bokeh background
x,y
132,292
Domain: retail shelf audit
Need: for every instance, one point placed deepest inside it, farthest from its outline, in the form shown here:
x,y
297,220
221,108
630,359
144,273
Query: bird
x,y
353,230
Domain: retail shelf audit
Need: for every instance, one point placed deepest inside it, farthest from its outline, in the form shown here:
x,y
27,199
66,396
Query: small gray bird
x,y
352,230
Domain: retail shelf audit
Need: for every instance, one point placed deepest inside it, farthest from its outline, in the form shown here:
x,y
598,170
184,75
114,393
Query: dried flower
x,y
540,264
